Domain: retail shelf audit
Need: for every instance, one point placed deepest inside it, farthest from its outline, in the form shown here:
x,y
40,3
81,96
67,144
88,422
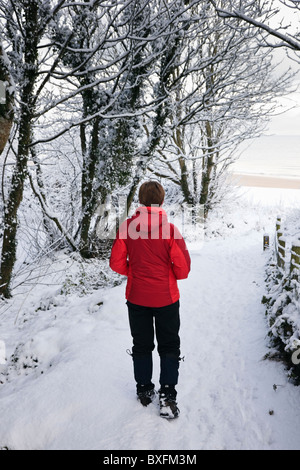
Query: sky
x,y
287,123
276,151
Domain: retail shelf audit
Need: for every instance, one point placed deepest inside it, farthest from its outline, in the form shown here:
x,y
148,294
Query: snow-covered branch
x,y
51,215
286,39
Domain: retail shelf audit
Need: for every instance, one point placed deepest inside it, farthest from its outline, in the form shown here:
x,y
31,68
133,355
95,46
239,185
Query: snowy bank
x,y
283,294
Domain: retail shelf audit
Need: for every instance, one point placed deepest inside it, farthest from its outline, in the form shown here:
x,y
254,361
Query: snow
x,y
68,381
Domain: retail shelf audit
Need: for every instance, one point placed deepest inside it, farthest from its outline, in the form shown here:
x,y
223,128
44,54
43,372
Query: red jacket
x,y
151,252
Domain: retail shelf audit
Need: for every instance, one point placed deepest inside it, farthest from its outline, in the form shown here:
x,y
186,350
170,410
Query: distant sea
x,y
271,155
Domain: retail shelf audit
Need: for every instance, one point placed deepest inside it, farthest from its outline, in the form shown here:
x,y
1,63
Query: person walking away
x,y
153,255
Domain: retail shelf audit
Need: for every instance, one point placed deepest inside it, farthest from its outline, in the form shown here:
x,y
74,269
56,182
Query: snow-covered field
x,y
68,381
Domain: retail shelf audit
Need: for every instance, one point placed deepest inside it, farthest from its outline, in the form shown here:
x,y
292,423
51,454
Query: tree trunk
x,y
87,191
8,256
207,169
184,182
12,204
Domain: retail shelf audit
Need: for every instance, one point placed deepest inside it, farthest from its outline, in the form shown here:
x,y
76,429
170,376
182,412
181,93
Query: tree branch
x,y
287,41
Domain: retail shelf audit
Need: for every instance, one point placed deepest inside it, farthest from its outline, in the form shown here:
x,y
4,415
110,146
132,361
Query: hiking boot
x,y
167,403
145,396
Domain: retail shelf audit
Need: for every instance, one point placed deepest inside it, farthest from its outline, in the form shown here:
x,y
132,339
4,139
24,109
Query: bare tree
x,y
129,97
31,33
92,72
230,100
26,23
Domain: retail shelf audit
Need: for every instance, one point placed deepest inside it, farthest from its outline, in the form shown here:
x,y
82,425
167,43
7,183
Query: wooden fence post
x,y
295,259
278,223
281,250
280,244
266,242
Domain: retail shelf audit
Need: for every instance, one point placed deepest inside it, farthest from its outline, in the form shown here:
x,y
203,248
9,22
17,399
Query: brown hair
x,y
150,193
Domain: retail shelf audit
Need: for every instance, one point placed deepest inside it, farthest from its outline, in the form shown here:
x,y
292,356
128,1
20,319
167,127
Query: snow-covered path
x,y
86,399
232,385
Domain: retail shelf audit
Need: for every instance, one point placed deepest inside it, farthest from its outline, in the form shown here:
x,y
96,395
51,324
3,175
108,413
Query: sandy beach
x,y
262,181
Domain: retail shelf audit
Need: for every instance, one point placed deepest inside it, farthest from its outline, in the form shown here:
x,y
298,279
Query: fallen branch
x,y
51,215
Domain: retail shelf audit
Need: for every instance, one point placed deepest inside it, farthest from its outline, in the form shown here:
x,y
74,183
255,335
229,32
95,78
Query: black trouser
x,y
167,323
